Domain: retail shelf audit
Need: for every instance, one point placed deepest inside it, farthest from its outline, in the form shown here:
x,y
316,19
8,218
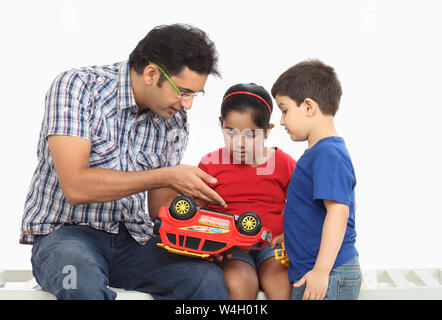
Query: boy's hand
x,y
277,240
316,284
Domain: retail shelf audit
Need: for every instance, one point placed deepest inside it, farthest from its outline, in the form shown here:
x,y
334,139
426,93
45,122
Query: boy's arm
x,y
333,232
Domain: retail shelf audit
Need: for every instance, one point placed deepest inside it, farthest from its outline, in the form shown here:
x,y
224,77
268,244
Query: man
x,y
109,134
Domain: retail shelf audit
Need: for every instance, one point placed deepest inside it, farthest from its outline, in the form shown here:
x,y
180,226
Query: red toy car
x,y
187,229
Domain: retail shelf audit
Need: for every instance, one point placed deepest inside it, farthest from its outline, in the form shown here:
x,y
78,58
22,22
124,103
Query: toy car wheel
x,y
249,223
182,208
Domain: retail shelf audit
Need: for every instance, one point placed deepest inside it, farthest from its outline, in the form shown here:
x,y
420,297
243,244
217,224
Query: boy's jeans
x,y
344,282
80,262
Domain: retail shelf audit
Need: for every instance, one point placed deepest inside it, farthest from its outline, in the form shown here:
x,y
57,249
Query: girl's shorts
x,y
255,257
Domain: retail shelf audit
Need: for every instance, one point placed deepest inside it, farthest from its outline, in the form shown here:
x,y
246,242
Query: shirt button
x,y
177,138
99,79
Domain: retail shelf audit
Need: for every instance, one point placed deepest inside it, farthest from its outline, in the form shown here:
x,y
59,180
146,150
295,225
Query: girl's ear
x,y
220,121
267,131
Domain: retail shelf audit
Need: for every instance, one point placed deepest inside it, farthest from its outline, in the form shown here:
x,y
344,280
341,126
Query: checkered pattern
x,y
97,103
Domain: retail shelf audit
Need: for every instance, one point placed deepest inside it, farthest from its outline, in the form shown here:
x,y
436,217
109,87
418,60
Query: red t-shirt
x,y
261,189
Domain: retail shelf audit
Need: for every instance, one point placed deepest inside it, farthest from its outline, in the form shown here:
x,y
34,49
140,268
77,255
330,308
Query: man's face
x,y
293,118
165,101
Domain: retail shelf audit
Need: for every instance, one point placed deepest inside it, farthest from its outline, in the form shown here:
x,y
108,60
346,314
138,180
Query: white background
x,y
386,53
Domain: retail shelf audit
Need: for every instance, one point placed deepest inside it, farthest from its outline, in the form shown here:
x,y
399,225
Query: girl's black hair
x,y
244,103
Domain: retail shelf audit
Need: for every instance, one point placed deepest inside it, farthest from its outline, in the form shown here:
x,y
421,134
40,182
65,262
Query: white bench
x,y
388,284
401,284
21,285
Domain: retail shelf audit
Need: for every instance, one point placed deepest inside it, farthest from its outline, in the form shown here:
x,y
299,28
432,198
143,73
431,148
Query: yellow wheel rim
x,y
182,207
249,223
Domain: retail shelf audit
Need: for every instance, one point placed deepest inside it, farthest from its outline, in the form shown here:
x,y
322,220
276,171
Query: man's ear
x,y
311,107
151,74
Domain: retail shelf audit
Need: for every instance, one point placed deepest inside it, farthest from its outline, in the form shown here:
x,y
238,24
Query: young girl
x,y
251,177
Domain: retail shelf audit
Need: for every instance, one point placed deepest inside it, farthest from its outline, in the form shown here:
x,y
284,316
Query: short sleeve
x,y
289,165
333,177
67,107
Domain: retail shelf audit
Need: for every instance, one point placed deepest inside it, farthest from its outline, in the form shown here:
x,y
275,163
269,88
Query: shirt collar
x,y
126,98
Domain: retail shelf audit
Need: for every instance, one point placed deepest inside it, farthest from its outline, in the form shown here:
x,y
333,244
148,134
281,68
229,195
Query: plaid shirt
x,y
98,104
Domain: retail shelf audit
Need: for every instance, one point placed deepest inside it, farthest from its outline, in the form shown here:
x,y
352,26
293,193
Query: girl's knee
x,y
241,280
273,277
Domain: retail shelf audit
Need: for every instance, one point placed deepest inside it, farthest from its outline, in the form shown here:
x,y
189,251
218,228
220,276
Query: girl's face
x,y
243,137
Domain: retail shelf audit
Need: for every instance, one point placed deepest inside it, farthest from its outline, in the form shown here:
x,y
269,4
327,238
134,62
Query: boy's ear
x,y
311,107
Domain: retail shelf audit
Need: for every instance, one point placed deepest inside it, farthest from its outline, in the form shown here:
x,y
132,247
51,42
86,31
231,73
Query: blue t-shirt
x,y
324,172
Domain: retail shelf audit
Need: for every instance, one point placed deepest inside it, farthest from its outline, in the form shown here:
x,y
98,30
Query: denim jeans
x,y
344,282
255,257
80,262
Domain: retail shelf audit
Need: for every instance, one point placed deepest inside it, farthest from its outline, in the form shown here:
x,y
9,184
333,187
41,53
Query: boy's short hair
x,y
311,79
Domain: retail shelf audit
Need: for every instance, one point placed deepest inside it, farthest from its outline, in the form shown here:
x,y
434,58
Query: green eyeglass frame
x,y
181,94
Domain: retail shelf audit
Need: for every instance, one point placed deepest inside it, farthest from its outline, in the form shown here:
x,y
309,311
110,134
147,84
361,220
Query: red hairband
x,y
250,94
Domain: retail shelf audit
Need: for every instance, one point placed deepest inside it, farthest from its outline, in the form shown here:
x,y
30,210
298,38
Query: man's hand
x,y
316,285
82,184
201,203
189,180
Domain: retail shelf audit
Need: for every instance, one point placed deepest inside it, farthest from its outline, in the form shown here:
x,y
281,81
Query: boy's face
x,y
294,118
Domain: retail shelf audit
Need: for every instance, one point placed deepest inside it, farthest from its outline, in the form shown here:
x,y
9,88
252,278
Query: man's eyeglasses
x,y
182,94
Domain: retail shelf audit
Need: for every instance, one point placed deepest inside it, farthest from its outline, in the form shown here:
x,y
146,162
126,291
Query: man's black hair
x,y
174,47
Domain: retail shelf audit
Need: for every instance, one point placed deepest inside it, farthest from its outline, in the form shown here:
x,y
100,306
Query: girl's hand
x,y
316,284
277,240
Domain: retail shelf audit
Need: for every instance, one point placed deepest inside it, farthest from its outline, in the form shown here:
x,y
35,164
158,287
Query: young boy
x,y
319,217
